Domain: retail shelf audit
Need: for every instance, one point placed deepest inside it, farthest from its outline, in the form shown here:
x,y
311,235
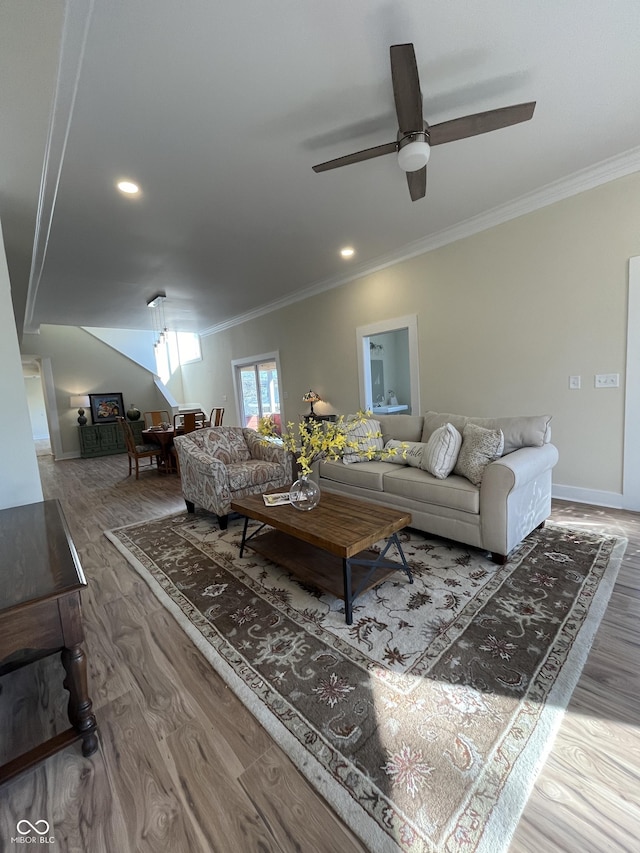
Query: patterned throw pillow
x,y
480,446
407,452
441,451
368,436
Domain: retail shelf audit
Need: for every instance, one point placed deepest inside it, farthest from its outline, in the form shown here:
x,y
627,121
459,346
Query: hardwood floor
x,y
184,767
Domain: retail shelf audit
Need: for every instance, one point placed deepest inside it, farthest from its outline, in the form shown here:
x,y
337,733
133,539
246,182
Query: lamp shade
x,y
79,401
311,397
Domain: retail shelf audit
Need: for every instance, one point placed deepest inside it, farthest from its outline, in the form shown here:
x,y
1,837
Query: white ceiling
x,y
219,111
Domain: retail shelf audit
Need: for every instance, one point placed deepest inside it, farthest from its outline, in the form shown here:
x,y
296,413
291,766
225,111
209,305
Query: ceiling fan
x,y
415,136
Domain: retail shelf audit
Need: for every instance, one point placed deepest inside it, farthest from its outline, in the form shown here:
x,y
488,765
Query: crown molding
x,y
578,182
73,43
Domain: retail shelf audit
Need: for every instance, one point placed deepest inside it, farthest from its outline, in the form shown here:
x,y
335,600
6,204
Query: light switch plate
x,y
574,383
607,380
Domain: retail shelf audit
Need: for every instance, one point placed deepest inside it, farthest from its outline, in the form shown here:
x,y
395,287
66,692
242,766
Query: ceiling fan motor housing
x,y
414,151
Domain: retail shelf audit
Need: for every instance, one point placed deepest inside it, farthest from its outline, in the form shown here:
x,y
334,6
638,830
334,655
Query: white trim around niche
x,y
410,322
631,457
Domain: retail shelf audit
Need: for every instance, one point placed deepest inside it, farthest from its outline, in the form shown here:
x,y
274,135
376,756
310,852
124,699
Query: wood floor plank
x,y
154,818
244,736
153,675
174,739
218,805
287,803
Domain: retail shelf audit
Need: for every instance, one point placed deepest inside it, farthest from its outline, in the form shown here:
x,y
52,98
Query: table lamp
x,y
80,402
311,397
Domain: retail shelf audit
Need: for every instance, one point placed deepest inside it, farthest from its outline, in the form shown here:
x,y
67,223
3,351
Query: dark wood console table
x,y
40,582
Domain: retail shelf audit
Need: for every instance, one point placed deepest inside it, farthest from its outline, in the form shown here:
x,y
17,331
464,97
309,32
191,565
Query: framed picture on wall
x,y
105,408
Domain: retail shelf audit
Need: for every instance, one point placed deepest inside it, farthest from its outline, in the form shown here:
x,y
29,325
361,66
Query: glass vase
x,y
304,493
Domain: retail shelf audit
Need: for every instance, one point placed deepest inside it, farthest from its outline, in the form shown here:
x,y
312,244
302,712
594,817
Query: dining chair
x,y
215,418
188,421
136,452
156,418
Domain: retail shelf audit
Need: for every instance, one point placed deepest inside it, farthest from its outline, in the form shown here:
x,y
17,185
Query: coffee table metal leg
x,y
244,534
394,540
245,538
348,596
381,562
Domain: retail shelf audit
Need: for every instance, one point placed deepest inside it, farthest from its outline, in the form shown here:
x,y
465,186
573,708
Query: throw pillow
x,y
440,453
480,446
407,452
367,436
396,457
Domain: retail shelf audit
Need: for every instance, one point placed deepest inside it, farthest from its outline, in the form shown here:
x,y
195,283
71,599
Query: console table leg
x,y
79,708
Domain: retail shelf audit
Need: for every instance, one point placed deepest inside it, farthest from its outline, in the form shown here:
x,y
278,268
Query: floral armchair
x,y
222,463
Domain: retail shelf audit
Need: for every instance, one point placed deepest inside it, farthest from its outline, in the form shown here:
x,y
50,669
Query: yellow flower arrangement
x,y
310,441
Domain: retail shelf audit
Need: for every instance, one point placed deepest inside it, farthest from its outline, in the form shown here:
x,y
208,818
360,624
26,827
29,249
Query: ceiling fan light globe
x,y
414,155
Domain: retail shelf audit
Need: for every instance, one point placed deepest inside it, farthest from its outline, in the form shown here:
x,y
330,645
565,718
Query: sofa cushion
x,y
368,436
440,453
367,475
533,431
434,420
480,446
418,485
401,427
528,431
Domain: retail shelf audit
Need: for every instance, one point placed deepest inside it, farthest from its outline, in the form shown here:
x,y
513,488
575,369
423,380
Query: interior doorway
x,y
41,401
388,366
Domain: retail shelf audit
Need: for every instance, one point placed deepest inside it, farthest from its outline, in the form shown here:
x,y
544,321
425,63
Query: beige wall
x,y
504,317
82,364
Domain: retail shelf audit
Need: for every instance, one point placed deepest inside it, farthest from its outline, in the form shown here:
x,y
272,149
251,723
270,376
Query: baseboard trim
x,y
613,500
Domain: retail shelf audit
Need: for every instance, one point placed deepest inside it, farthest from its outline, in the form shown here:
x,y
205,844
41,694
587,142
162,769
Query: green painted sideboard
x,y
105,439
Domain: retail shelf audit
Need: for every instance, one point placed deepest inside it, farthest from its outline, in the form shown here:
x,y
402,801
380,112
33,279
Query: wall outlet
x,y
224,398
574,383
607,380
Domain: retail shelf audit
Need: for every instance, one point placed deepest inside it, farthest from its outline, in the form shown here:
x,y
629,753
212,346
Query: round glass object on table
x,y
304,493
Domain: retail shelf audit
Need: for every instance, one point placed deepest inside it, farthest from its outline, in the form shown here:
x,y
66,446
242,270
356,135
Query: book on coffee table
x,y
277,499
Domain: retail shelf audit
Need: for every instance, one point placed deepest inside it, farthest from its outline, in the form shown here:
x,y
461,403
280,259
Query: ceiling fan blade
x,y
357,157
406,88
417,183
461,128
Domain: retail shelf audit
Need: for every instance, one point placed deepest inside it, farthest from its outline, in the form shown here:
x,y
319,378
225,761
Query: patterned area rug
x,y
425,722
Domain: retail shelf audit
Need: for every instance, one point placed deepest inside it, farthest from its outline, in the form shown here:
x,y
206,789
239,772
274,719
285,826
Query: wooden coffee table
x,y
327,547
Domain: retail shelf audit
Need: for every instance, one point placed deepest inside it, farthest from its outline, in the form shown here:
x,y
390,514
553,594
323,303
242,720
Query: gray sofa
x,y
513,498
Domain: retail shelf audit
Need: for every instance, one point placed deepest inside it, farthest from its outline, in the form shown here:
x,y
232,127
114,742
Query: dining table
x,y
164,439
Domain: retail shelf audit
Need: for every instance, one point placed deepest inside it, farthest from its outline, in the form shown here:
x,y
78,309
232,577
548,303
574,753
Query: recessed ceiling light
x,y
347,252
128,187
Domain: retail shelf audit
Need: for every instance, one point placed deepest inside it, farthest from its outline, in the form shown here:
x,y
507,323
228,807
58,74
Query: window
x,y
257,389
176,348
